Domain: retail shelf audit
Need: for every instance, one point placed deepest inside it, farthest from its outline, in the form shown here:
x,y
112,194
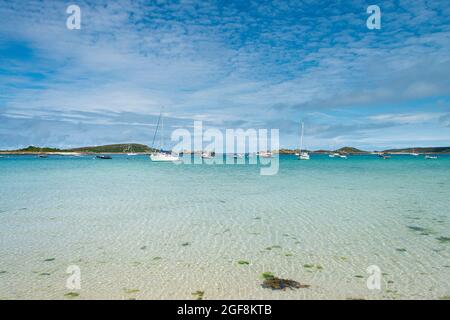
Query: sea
x,y
129,228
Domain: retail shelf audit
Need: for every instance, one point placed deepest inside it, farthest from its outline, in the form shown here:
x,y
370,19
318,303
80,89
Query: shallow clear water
x,y
147,230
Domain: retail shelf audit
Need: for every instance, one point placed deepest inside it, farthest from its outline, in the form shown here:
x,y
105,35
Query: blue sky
x,y
232,64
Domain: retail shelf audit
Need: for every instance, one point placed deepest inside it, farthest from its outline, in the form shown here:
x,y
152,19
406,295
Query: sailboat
x,y
130,149
162,156
414,153
265,154
302,155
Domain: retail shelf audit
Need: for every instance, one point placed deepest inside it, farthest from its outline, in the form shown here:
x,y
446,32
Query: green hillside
x,y
350,150
37,149
420,150
114,148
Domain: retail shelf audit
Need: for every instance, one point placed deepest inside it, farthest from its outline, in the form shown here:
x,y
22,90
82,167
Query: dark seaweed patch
x,y
273,247
198,294
443,239
313,266
275,283
422,231
72,294
131,291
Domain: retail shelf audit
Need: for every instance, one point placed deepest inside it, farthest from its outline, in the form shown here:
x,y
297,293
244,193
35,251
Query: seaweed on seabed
x,y
72,294
443,239
198,294
275,283
422,231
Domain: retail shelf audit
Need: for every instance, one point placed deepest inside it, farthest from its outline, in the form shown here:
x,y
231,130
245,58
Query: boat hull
x,y
162,157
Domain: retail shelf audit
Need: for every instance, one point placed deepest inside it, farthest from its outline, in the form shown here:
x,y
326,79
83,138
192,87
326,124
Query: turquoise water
x,y
147,230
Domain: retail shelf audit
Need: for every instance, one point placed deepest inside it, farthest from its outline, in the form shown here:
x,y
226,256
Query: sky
x,y
231,64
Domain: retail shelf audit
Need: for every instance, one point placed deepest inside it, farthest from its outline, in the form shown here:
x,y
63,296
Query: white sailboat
x,y
162,156
302,155
265,154
414,153
130,149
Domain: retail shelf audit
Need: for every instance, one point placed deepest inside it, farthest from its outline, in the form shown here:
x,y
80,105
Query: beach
x,y
143,230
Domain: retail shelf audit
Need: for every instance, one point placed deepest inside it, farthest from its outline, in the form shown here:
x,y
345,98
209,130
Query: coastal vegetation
x,y
115,148
112,148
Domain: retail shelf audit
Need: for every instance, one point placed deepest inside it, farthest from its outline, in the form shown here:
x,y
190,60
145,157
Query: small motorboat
x,y
430,157
207,155
42,156
104,157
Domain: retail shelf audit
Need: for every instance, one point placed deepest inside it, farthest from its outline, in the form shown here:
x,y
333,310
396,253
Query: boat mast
x,y
162,134
301,140
156,130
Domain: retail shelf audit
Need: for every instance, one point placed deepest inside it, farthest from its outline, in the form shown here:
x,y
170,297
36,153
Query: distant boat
x,y
414,153
337,155
131,153
384,156
302,155
42,155
162,156
430,157
265,154
207,155
104,157
238,156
